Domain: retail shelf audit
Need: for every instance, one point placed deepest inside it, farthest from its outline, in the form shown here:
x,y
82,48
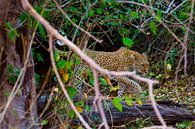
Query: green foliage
x,y
91,13
159,16
129,101
61,64
71,114
56,56
127,42
12,74
117,103
184,125
12,32
39,57
134,14
72,92
153,27
42,31
23,16
44,122
6,93
68,65
103,81
172,56
37,79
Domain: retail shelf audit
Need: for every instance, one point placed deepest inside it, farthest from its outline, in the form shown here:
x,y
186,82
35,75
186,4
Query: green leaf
x,y
68,64
9,26
139,102
183,15
71,114
88,108
6,93
102,81
42,31
127,42
39,57
91,80
72,92
129,101
44,122
121,16
78,61
23,16
91,13
73,9
61,64
134,14
81,103
37,79
159,16
56,56
153,27
117,103
12,32
99,11
185,125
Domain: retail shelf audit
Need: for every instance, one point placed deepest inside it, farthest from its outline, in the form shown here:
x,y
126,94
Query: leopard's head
x,y
136,61
141,63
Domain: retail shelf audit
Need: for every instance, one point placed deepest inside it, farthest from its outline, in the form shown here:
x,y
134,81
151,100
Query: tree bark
x,y
22,111
172,113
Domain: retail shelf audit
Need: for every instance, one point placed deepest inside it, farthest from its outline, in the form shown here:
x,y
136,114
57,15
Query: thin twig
x,y
75,25
185,39
98,98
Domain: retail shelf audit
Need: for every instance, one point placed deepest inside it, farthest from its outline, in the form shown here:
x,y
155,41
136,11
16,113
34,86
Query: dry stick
x,y
158,127
154,105
98,99
139,4
151,96
75,25
150,84
62,84
185,41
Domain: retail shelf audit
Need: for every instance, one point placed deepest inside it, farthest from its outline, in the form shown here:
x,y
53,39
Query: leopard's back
x,y
121,60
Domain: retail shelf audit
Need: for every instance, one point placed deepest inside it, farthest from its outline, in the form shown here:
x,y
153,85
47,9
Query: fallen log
x,y
172,113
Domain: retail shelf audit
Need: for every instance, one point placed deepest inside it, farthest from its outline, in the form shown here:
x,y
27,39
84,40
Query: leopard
x,y
123,59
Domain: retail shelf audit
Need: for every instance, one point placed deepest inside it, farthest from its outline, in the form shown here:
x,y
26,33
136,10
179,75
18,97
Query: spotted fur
x,y
122,60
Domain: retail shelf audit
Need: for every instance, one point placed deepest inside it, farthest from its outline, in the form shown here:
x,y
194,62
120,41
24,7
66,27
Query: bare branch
x,y
98,99
185,39
75,25
62,84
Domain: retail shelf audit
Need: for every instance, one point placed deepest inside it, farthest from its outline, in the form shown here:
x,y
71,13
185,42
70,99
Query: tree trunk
x,y
21,112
